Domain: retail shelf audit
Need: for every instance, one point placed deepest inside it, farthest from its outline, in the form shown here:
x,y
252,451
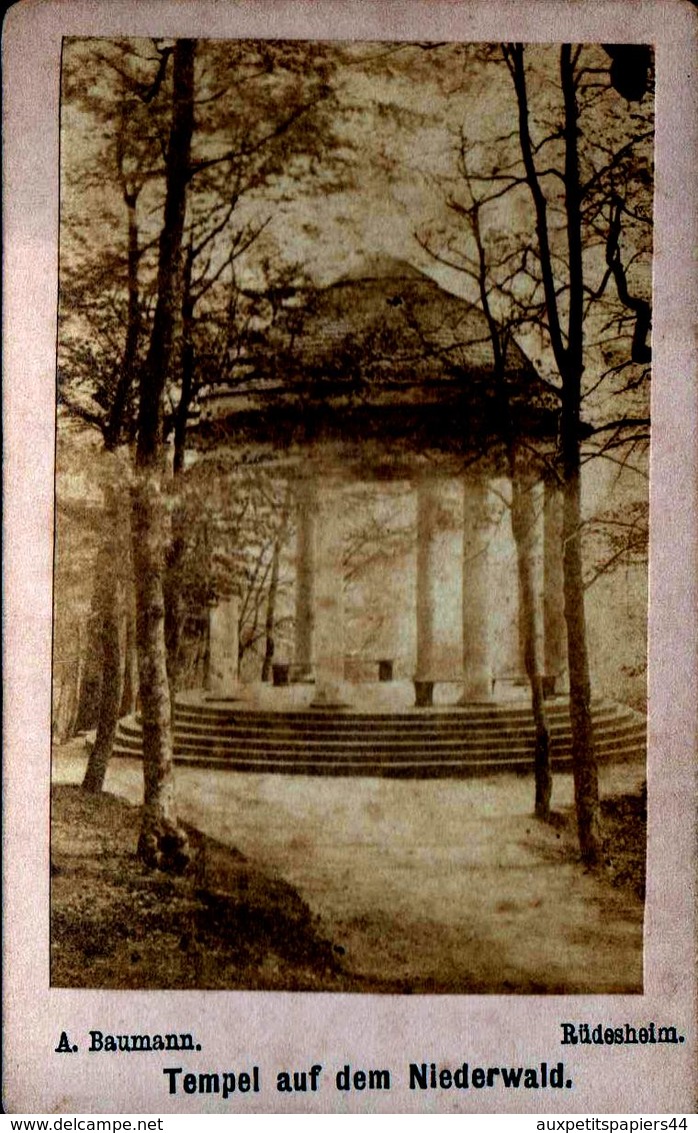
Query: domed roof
x,y
380,266
384,356
385,323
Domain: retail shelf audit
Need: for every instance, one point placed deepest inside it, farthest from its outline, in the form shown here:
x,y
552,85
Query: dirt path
x,y
446,886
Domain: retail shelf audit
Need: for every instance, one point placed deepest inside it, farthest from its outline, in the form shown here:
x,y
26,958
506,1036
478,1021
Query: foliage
x,y
262,117
227,518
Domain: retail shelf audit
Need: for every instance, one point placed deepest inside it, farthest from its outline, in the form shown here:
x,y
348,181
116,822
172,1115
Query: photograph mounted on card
x,y
343,659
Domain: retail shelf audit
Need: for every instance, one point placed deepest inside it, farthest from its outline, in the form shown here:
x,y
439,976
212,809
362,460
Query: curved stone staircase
x,y
420,744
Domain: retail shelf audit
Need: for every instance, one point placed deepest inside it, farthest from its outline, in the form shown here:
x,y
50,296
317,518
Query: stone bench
x,y
362,669
356,669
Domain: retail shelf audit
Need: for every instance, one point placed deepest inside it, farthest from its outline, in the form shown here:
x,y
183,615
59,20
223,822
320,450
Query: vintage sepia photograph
x,y
350,405
350,599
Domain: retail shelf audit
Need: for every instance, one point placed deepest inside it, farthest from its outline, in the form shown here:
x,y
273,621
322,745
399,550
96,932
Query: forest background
x,y
196,203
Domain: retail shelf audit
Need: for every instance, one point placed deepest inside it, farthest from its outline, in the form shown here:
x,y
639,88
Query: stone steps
x,y
395,741
307,728
341,717
414,722
469,741
416,769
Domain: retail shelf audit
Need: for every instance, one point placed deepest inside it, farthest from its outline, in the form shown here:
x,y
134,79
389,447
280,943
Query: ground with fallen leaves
x,y
268,921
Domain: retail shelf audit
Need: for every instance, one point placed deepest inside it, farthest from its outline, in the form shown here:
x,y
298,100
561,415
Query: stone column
x,y
533,547
306,497
438,646
330,688
555,629
478,519
222,671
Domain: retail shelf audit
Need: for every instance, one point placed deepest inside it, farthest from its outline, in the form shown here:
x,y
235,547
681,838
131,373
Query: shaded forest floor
x,y
492,901
225,924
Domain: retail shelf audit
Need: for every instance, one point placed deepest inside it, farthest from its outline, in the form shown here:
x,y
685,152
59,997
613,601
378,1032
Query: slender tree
x,y
162,842
572,289
111,586
101,310
522,471
565,327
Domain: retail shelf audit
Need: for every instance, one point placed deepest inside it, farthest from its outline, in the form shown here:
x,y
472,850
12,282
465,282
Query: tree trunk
x,y
188,364
66,706
117,415
586,787
569,357
162,843
77,679
112,679
109,596
522,523
163,361
174,605
91,674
